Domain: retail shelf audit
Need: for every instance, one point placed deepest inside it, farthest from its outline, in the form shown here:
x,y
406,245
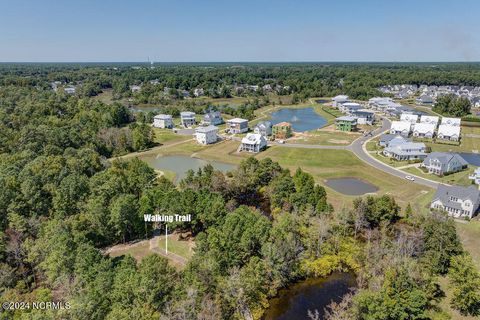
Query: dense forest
x,y
257,229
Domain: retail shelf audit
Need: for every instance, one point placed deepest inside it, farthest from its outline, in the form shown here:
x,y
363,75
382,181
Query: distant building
x,y
213,118
346,123
424,130
206,135
263,128
349,107
425,99
163,121
475,176
338,100
457,201
448,132
429,119
441,163
390,140
135,88
198,92
70,90
451,121
401,127
187,119
406,151
282,130
253,142
364,117
412,118
237,125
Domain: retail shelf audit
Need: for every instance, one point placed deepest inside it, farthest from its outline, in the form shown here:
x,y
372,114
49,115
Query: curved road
x,y
358,148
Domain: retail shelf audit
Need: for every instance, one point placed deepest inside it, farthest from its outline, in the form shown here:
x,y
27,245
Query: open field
x,y
459,178
470,235
324,136
167,136
183,248
326,164
138,250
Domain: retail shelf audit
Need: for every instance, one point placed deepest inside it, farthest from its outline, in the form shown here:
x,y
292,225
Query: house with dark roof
x,y
441,163
457,201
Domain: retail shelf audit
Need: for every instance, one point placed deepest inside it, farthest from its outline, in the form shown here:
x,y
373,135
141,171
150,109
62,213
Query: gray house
x,y
187,118
440,163
457,201
263,128
406,151
391,140
213,118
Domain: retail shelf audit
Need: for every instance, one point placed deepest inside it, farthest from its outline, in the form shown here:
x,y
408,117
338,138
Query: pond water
x,y
471,158
351,186
304,119
181,164
294,302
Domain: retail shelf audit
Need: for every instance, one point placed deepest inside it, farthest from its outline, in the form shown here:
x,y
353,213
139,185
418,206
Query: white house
x,y
198,92
135,88
263,128
448,132
70,90
253,142
206,135
163,121
187,118
429,119
348,107
340,99
475,176
425,130
412,118
401,127
237,125
406,151
457,201
451,121
441,163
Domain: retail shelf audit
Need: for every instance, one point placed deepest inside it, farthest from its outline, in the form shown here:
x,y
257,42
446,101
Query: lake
x,y
294,302
351,186
304,119
181,164
471,158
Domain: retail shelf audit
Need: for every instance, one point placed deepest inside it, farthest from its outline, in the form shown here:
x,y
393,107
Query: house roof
x,y
445,158
407,149
401,125
253,138
451,121
445,192
237,120
409,117
346,118
283,124
352,105
264,124
187,114
424,127
163,116
429,119
340,98
206,129
448,130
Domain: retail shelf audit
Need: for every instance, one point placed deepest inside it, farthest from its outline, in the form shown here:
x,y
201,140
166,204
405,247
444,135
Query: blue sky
x,y
241,30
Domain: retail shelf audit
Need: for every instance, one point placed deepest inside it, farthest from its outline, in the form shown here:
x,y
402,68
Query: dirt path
x,y
171,256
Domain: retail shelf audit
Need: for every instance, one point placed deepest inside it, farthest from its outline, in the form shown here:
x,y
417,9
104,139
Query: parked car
x,y
410,178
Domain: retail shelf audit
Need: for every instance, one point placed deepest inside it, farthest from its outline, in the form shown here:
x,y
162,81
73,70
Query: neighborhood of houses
x,y
405,141
427,95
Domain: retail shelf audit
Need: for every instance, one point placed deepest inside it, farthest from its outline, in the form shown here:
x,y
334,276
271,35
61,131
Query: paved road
x,y
358,148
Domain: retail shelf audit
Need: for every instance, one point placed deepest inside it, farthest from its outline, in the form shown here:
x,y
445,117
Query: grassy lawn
x,y
137,250
372,146
468,144
183,248
326,164
460,178
470,235
166,136
324,137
